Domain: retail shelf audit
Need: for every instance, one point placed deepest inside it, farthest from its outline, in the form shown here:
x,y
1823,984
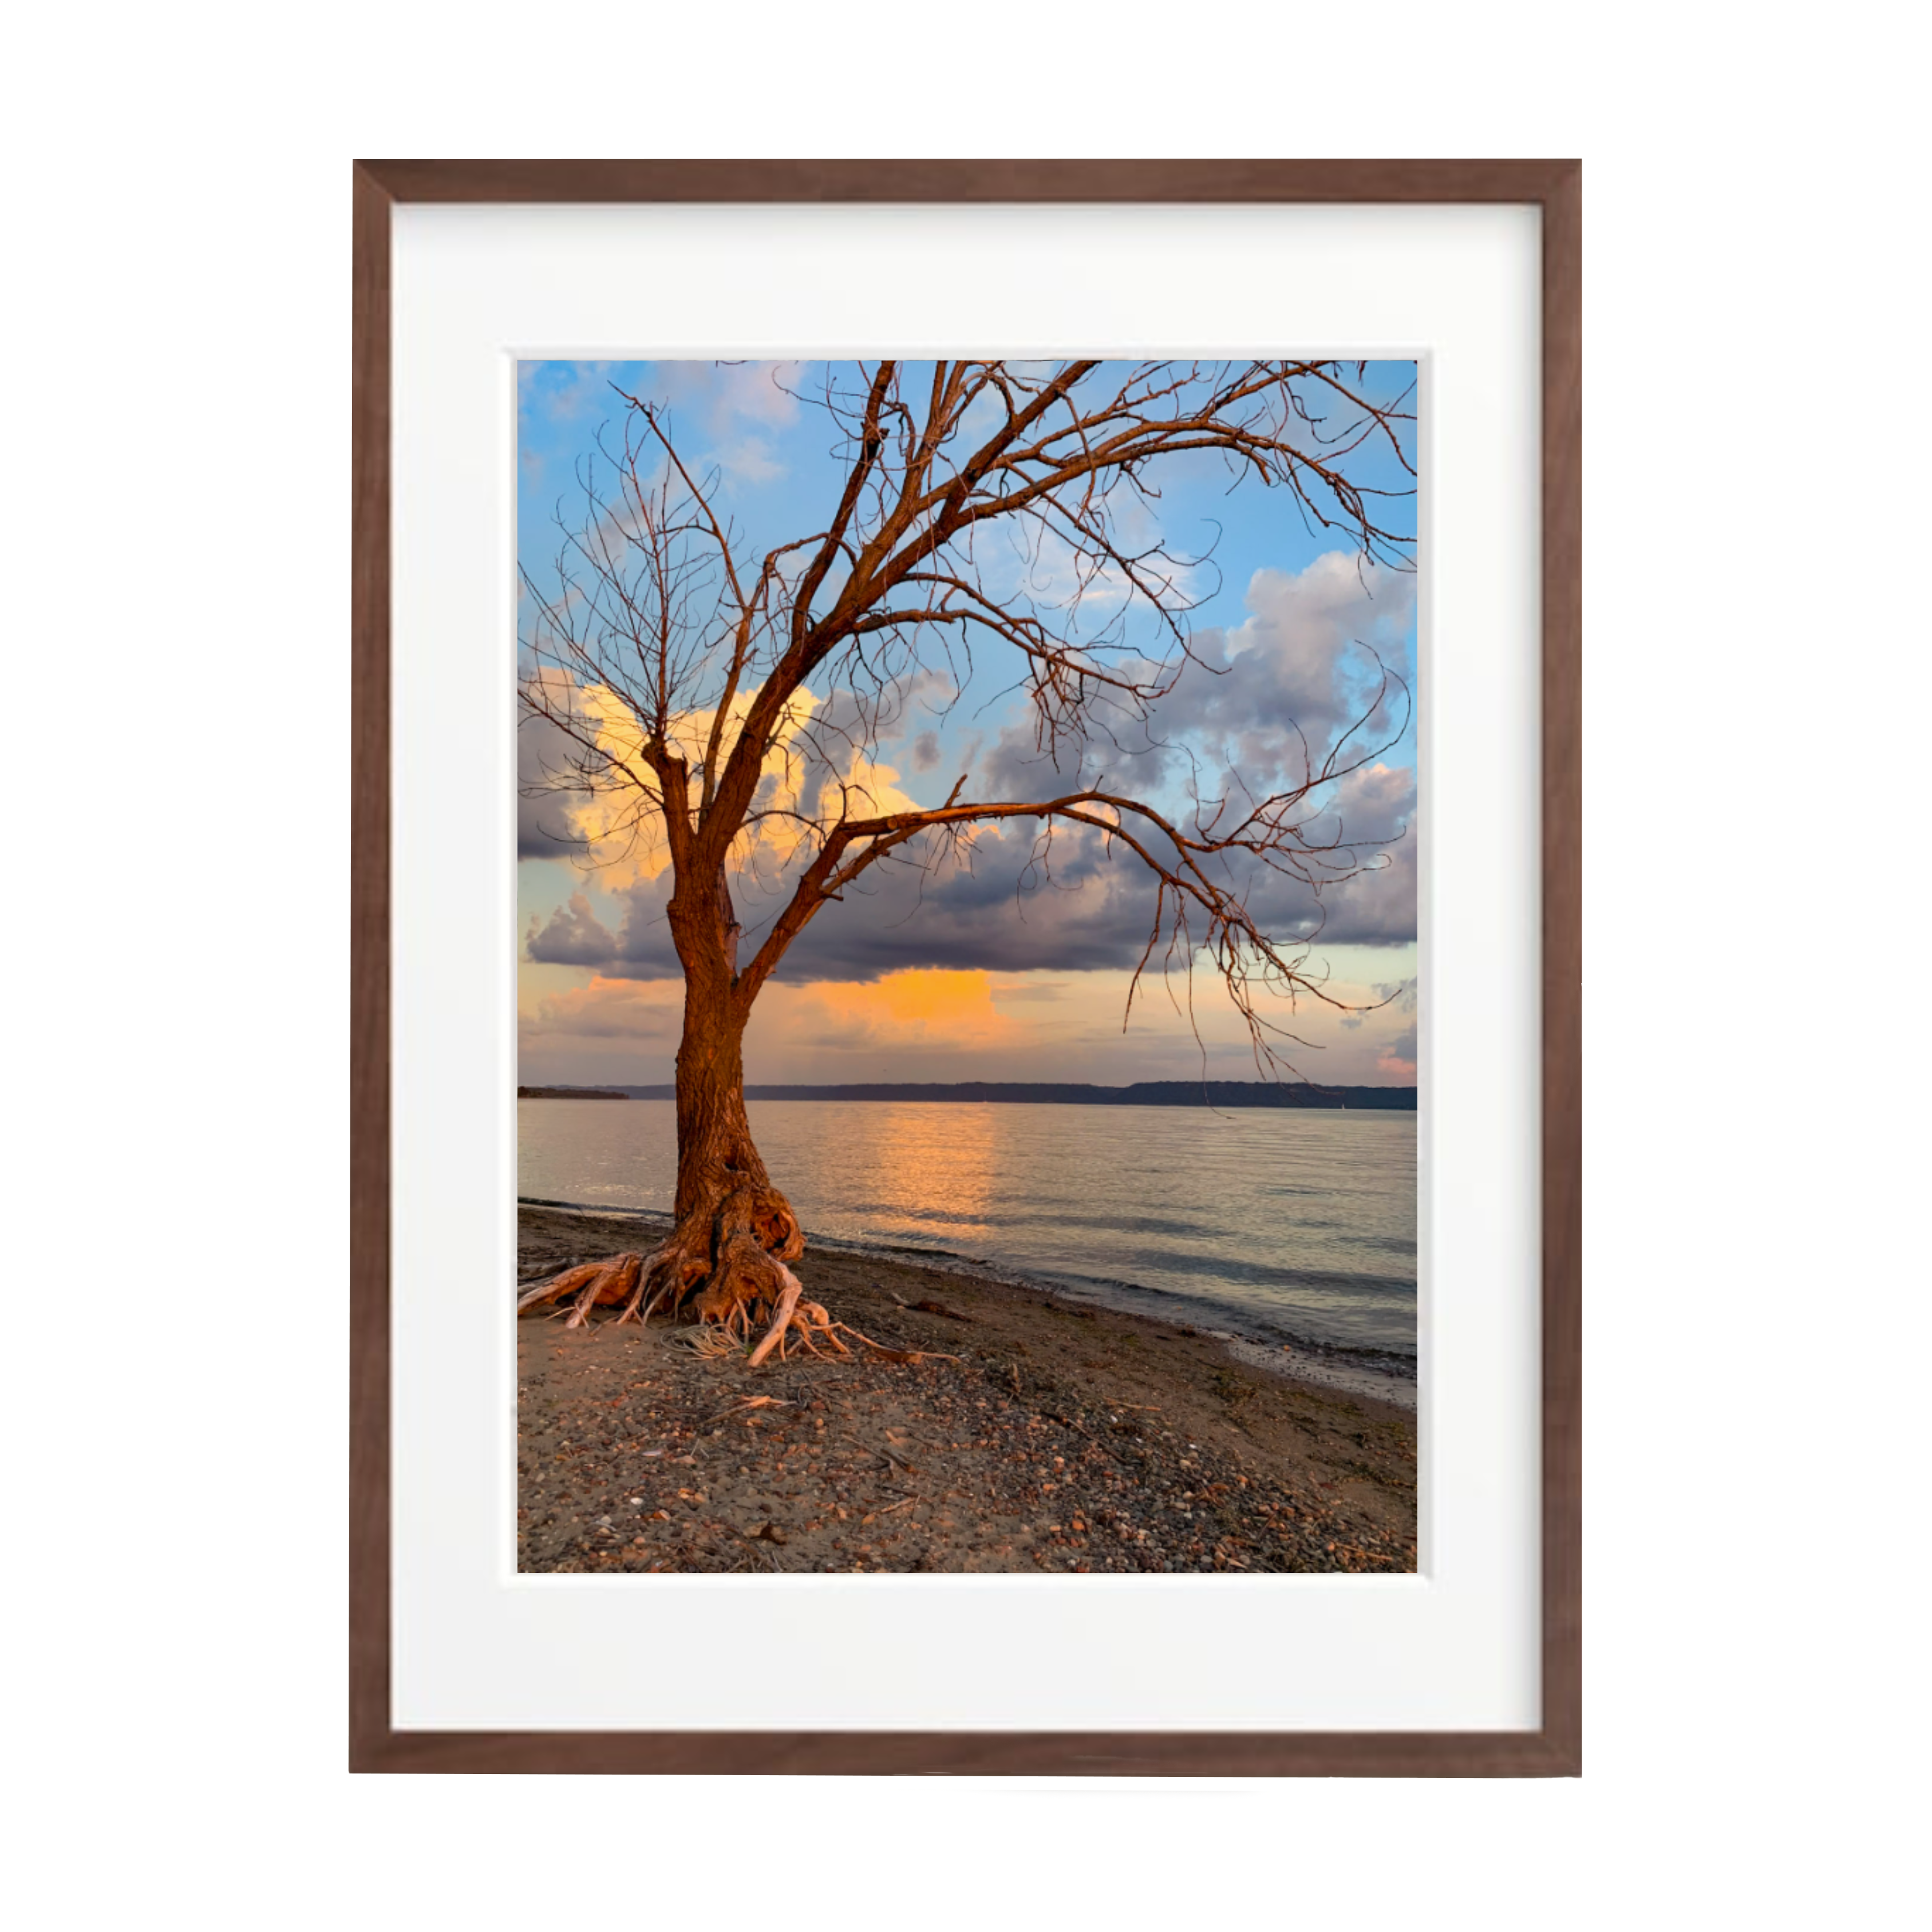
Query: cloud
x,y
1376,812
817,746
1397,1059
747,459
948,1011
602,1011
736,409
574,936
1276,693
1029,992
949,1025
544,828
1292,679
1013,907
731,392
563,391
943,1012
1260,706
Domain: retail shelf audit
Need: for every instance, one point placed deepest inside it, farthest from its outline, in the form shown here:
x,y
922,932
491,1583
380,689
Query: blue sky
x,y
978,979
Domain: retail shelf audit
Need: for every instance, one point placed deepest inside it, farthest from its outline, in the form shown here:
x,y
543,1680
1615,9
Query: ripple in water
x,y
1289,1223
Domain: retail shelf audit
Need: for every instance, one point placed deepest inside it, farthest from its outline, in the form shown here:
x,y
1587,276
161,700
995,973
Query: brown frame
x,y
1554,1750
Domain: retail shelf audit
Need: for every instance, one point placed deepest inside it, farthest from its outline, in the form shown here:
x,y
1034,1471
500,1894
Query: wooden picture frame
x,y
1553,187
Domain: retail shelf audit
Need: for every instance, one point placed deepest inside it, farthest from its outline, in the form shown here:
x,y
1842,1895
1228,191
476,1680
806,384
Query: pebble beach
x,y
1035,1436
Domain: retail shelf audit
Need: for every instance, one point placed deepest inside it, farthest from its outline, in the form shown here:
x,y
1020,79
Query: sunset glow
x,y
1007,957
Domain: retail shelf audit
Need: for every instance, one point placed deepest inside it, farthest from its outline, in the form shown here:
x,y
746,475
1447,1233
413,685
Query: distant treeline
x,y
1037,1093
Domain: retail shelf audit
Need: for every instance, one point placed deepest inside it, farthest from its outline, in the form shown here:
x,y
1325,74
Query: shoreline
x,y
1380,1373
1031,1433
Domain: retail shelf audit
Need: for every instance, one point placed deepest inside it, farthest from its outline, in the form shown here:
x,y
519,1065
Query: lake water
x,y
1292,1224
1289,1224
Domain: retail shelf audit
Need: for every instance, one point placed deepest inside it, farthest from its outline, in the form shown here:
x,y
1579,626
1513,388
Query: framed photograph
x,y
967,968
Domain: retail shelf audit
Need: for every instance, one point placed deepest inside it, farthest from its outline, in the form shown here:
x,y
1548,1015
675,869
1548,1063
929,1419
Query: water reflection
x,y
931,1172
1307,1216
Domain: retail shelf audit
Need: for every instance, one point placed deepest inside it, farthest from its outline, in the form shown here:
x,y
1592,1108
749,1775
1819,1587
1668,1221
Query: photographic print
x,y
967,966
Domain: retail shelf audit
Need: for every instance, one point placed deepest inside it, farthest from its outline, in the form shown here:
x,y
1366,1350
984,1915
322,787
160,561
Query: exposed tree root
x,y
595,1281
735,1260
737,1253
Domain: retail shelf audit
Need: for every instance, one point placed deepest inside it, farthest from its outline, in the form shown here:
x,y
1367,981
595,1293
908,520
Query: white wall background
x,y
177,483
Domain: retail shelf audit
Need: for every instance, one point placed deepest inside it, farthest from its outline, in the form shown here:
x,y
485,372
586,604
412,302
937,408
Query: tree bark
x,y
714,1148
735,1235
725,1194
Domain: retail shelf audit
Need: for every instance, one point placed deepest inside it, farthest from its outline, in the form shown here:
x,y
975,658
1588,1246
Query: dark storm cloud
x,y
543,820
1375,813
1071,908
1266,701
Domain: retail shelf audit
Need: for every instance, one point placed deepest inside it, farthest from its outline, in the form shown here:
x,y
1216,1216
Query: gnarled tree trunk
x,y
735,1236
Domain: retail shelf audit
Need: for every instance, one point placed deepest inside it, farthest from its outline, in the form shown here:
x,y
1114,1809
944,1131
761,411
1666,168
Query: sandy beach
x,y
1057,1437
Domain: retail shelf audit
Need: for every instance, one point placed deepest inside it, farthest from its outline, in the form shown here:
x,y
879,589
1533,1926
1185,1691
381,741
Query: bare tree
x,y
676,668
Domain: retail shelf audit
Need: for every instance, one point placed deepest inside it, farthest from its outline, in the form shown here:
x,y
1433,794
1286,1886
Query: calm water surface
x,y
1278,1224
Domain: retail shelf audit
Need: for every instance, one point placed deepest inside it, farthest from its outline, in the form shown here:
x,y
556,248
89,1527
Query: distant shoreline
x,y
1037,1093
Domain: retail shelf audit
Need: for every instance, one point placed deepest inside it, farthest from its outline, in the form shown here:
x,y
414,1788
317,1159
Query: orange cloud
x,y
931,1006
933,1024
627,848
934,1010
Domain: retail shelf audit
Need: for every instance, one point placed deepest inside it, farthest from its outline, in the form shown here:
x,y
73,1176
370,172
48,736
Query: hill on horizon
x,y
1020,1092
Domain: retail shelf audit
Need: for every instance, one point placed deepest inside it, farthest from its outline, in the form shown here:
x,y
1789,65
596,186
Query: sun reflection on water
x,y
1309,1216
